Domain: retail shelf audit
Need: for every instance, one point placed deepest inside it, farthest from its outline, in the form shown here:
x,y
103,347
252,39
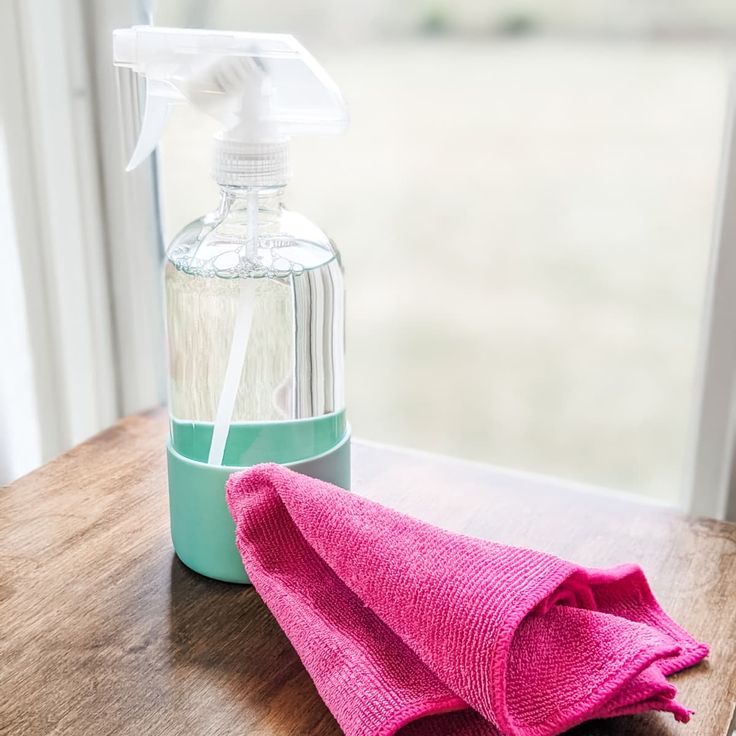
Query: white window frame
x,y
93,313
710,487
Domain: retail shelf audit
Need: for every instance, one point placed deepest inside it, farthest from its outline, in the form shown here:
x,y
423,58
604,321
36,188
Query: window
x,y
525,221
524,204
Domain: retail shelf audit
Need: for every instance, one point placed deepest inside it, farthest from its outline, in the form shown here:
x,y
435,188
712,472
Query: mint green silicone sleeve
x,y
202,531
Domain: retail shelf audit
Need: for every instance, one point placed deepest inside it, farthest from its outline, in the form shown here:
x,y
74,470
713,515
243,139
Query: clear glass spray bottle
x,y
253,292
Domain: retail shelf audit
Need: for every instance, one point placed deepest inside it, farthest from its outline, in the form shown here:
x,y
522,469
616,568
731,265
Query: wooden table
x,y
103,631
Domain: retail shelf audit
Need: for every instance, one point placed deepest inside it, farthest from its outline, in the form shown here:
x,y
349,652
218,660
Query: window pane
x,y
525,223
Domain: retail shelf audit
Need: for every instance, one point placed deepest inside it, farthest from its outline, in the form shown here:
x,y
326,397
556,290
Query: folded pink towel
x,y
408,629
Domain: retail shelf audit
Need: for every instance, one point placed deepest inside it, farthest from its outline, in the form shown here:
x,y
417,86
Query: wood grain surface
x,y
103,631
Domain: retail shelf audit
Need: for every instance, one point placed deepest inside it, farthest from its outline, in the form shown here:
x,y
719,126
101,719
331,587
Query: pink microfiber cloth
x,y
408,629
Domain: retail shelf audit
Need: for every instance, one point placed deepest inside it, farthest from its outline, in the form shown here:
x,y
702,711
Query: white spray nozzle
x,y
262,88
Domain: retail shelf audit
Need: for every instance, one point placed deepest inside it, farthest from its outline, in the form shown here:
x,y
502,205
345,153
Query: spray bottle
x,y
253,292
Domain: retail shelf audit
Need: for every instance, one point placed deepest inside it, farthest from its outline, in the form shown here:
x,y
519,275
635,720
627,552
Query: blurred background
x,y
526,204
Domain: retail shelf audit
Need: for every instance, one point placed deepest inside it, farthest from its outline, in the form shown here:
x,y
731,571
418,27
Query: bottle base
x,y
202,530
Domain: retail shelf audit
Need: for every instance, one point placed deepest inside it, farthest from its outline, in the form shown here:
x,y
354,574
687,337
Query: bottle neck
x,y
265,199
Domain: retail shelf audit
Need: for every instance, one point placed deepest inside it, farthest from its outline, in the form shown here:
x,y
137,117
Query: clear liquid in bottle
x,y
293,366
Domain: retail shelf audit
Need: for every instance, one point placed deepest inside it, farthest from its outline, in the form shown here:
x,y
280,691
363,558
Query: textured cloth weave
x,y
408,629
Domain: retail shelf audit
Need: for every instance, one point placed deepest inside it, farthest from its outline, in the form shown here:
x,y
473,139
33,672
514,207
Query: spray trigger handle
x,y
160,98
